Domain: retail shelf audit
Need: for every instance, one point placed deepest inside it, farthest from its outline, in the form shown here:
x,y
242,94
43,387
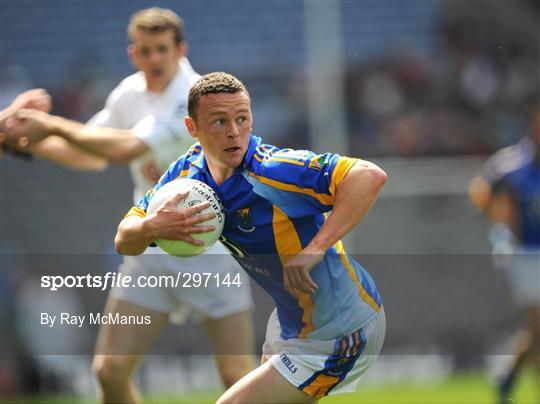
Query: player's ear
x,y
191,126
182,49
131,52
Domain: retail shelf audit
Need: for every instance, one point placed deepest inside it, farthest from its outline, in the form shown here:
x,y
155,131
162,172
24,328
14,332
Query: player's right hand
x,y
36,98
172,223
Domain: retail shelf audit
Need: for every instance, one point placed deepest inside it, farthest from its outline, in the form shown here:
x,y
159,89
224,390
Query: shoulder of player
x,y
284,158
287,164
187,69
508,160
181,166
129,86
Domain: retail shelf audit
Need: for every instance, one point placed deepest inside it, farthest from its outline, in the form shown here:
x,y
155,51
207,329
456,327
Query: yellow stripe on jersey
x,y
305,302
259,159
287,241
136,211
286,160
182,173
340,171
352,273
198,160
288,245
319,387
322,198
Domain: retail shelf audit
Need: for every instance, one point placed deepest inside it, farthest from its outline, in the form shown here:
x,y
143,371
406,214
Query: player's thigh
x,y
232,334
129,339
264,385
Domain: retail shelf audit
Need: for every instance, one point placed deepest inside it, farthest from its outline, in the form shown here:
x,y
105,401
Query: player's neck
x,y
160,86
219,174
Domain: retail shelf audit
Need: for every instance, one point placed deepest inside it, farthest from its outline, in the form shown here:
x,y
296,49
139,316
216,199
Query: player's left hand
x,y
36,98
296,271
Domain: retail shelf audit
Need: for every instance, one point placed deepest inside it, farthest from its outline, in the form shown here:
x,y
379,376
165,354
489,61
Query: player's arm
x,y
117,145
493,200
137,230
355,194
480,193
58,151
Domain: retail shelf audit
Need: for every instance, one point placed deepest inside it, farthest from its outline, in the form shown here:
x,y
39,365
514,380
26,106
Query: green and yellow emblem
x,y
244,216
317,162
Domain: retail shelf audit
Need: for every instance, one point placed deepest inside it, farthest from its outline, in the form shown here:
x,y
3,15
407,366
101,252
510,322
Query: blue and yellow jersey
x,y
516,170
275,203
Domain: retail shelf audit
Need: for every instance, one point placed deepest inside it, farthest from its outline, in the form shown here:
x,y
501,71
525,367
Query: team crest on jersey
x,y
244,215
317,162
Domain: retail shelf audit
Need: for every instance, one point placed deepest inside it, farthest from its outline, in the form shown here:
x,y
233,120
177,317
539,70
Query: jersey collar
x,y
198,160
254,141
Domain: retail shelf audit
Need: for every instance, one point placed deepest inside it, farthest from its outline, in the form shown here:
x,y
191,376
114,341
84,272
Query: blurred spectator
x,y
84,89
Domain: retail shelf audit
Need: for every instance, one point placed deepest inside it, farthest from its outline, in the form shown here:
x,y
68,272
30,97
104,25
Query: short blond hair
x,y
156,19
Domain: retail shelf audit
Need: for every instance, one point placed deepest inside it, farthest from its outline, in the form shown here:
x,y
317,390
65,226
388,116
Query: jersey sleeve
x,y
167,137
109,116
492,172
313,177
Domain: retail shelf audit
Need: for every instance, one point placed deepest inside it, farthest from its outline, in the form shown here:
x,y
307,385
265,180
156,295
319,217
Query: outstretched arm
x,y
117,145
355,195
61,152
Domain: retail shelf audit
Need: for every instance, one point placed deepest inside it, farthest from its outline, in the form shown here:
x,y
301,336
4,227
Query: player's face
x,y
156,55
222,125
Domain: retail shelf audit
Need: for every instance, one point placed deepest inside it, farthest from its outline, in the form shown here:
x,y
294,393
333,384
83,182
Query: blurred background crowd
x,y
420,77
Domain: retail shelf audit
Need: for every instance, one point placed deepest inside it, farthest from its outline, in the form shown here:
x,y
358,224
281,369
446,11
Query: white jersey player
x,y
155,118
146,111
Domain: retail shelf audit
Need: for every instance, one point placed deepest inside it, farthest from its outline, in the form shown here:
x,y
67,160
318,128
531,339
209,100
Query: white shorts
x,y
319,368
522,269
217,299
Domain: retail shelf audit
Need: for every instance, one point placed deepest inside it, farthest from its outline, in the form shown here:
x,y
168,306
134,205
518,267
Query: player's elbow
x,y
122,157
98,165
119,245
375,176
123,247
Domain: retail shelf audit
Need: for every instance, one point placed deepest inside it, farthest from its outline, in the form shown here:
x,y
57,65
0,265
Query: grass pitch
x,y
463,389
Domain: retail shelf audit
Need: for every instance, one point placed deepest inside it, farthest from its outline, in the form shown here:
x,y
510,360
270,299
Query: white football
x,y
199,192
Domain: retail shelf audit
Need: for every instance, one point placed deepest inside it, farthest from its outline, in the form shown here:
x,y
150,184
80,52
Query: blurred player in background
x,y
508,192
329,323
146,111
